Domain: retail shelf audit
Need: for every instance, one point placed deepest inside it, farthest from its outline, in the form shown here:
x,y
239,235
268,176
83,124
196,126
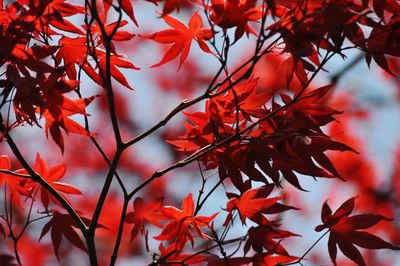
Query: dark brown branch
x,y
114,255
97,145
107,71
37,178
106,76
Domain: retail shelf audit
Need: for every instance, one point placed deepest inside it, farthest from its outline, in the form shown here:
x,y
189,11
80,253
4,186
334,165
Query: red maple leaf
x,y
345,231
181,37
116,61
55,13
70,126
272,260
56,108
72,51
144,213
17,185
181,223
118,35
253,203
235,13
263,237
62,8
52,175
126,6
31,58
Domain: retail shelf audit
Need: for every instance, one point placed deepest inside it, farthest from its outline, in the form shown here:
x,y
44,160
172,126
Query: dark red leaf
x,y
344,231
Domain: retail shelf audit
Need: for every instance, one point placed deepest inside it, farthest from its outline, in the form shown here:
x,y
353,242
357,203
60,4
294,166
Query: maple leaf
x,y
17,185
250,102
272,260
263,237
182,221
144,213
62,225
181,37
72,51
70,126
118,35
27,95
235,13
116,61
345,231
294,140
52,175
126,6
252,204
63,8
54,14
56,108
31,58
205,128
380,7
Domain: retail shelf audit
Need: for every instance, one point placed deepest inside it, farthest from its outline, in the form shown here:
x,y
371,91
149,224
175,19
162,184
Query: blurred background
x,y
368,97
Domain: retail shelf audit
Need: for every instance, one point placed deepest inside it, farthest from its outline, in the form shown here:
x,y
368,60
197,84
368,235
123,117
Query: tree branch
x,y
37,178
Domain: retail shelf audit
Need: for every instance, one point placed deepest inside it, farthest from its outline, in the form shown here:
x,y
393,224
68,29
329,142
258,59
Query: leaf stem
x,y
308,250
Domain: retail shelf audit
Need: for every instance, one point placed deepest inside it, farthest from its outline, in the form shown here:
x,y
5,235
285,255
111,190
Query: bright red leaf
x,y
181,223
116,61
181,37
17,185
253,203
127,6
235,13
52,176
144,213
73,51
